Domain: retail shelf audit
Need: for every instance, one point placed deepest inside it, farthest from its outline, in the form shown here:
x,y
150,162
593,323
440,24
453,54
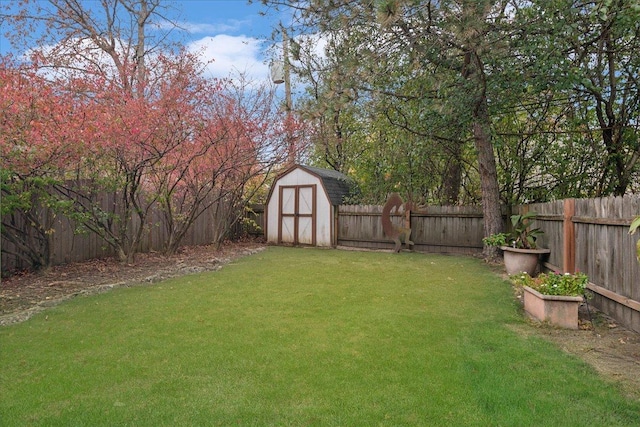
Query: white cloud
x,y
317,43
232,25
231,56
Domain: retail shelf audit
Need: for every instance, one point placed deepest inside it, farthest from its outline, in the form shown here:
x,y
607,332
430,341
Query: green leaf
x,y
634,225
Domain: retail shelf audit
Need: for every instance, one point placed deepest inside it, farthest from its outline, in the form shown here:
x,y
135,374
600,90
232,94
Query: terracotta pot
x,y
558,310
522,260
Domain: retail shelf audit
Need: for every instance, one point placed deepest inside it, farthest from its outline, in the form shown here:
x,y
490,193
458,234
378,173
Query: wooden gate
x,y
297,215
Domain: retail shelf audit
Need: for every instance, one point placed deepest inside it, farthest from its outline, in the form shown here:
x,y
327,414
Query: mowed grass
x,y
298,337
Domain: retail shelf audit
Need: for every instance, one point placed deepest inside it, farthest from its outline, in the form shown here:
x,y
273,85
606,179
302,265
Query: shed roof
x,y
337,184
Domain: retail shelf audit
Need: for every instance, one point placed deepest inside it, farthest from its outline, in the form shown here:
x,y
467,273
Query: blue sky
x,y
231,32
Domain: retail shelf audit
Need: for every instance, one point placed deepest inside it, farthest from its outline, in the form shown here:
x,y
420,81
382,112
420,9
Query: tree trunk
x,y
488,177
452,179
141,72
473,71
121,255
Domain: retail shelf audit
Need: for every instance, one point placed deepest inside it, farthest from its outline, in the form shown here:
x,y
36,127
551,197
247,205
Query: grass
x,y
292,337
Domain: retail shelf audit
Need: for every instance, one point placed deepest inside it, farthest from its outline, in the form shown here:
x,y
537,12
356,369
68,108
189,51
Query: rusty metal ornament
x,y
395,233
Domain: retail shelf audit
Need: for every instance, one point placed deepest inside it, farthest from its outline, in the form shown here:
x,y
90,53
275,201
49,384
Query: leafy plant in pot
x,y
521,251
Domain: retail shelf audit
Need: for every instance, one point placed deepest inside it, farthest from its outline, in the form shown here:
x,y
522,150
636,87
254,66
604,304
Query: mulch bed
x,y
25,294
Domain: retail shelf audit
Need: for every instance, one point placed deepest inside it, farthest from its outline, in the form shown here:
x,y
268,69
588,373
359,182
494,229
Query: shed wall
x,y
324,209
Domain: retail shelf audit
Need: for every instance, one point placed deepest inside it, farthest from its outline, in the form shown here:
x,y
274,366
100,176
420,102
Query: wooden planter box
x,y
558,310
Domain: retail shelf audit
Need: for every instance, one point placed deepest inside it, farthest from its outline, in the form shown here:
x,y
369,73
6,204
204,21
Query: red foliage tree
x,y
138,133
229,144
40,134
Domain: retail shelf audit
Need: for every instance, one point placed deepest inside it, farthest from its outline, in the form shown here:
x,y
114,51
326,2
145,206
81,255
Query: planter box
x,y
558,310
522,260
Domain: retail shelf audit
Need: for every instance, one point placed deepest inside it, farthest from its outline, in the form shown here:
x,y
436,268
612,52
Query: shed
x,y
302,206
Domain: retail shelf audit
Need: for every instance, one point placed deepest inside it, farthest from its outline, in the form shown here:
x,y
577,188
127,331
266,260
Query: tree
x,y
459,39
228,145
38,136
384,135
152,133
577,68
537,84
130,136
109,37
603,51
100,52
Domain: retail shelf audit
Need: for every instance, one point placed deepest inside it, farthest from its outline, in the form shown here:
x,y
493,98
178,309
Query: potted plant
x,y
521,251
553,297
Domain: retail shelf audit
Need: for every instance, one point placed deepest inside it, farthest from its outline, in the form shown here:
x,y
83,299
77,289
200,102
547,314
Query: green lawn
x,y
299,337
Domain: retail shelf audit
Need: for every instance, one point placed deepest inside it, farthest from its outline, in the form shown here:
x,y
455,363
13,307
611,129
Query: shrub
x,y
566,284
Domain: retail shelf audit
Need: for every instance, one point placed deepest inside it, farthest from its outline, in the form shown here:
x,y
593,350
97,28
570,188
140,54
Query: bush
x,y
566,284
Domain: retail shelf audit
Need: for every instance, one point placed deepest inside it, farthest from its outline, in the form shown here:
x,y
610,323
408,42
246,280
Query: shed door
x,y
297,215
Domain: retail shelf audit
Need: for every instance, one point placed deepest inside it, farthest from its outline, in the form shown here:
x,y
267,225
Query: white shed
x,y
302,206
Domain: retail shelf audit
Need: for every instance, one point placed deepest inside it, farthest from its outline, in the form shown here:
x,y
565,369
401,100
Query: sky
x,y
232,33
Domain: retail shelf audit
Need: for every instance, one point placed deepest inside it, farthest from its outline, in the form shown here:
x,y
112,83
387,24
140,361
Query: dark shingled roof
x,y
337,184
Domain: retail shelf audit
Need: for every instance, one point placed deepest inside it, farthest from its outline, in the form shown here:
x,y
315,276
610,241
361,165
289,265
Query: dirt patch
x,y
611,349
23,295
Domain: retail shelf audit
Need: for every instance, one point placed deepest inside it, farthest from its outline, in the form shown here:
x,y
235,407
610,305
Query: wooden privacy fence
x,y
591,235
70,246
449,229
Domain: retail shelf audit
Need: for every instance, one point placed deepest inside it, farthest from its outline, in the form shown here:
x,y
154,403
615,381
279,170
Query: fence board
x,y
550,220
606,252
69,246
603,250
447,229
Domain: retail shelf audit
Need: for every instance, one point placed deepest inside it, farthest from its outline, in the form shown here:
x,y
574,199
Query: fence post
x,y
569,237
407,221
